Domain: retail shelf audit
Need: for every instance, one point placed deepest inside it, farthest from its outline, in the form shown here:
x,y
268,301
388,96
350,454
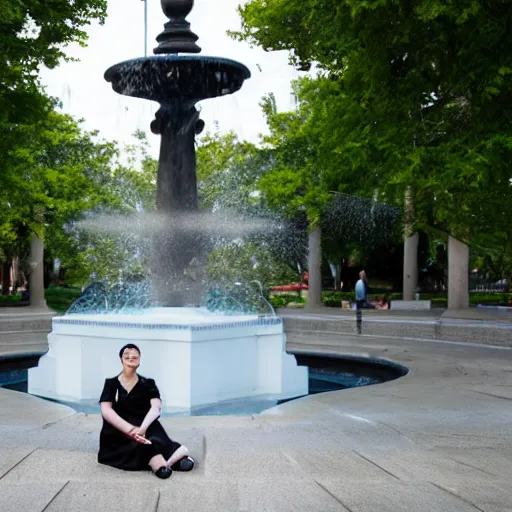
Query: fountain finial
x,y
177,36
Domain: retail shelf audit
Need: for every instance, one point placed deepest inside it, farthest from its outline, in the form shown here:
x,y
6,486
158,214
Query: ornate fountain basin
x,y
177,77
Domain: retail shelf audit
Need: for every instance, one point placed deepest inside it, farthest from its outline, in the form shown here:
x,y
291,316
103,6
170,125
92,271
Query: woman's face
x,y
131,358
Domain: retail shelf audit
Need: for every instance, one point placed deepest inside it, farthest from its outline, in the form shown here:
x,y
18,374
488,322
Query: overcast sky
x,y
85,94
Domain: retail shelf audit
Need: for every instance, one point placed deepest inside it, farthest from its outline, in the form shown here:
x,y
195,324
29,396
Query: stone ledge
x,y
23,329
485,333
411,305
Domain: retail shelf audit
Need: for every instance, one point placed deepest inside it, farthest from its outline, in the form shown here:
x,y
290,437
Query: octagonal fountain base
x,y
196,357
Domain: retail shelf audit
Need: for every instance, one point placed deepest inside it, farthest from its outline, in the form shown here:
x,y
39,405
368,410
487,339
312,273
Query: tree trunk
x,y
36,278
315,269
410,268
15,273
6,279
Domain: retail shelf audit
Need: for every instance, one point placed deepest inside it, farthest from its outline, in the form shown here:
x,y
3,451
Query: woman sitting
x,y
382,303
132,438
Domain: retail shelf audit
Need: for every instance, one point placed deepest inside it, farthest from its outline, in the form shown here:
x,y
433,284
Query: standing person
x,y
361,299
132,438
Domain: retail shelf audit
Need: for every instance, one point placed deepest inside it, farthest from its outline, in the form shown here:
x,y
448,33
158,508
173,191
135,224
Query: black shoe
x,y
163,472
185,464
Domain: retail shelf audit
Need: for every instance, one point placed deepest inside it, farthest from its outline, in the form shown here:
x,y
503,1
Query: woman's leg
x,y
179,454
157,462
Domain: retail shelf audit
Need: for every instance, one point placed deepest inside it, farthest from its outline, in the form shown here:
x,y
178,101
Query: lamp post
x,y
145,28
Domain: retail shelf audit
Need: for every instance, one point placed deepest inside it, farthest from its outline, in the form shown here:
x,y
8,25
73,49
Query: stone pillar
x,y
315,270
36,278
410,267
458,274
15,272
410,250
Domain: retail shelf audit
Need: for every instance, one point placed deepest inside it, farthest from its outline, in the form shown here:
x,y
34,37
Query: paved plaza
x,y
438,439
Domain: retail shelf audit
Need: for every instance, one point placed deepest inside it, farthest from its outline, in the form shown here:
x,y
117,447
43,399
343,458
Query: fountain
x,y
198,356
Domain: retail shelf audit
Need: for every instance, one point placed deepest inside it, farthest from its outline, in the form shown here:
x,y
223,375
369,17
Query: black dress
x,y
118,450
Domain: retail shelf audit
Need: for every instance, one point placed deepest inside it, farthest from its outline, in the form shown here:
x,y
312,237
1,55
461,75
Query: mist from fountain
x,y
211,231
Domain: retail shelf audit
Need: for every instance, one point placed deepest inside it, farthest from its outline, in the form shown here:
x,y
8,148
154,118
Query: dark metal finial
x,y
177,36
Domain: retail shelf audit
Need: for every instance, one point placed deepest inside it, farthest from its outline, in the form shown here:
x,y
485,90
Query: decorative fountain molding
x,y
196,356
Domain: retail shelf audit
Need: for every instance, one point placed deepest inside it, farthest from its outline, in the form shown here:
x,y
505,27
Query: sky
x,y
86,95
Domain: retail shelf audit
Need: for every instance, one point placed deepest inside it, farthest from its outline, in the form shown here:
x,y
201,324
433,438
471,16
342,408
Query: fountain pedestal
x,y
197,358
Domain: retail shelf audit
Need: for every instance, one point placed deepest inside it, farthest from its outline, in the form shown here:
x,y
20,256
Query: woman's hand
x,y
135,434
141,431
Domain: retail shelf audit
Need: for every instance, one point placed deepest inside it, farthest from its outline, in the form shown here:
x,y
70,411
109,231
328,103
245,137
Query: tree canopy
x,y
35,33
407,93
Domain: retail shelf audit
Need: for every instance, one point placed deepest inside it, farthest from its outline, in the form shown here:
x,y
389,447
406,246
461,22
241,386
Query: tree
x,y
228,172
419,94
313,178
35,34
96,242
53,173
32,34
245,262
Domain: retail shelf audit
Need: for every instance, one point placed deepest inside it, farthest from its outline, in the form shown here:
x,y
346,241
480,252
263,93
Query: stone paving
x,y
438,439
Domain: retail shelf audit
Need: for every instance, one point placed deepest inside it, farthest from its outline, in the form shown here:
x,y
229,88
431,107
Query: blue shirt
x,y
360,290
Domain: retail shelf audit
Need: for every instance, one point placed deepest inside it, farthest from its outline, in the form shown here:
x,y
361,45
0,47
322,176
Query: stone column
x,y
36,278
410,249
410,267
458,274
315,270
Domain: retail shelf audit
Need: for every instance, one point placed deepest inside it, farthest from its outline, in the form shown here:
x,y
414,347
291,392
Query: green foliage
x,y
9,300
55,174
408,94
228,172
48,165
246,262
60,298
35,33
295,180
51,172
128,185
439,299
282,301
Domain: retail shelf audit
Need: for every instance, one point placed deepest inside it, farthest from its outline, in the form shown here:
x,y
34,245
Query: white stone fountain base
x,y
197,358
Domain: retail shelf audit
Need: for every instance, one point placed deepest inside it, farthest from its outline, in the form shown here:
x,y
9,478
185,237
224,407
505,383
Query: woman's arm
x,y
117,422
152,415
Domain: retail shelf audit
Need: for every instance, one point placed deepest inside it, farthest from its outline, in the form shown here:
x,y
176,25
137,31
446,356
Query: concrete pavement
x,y
439,439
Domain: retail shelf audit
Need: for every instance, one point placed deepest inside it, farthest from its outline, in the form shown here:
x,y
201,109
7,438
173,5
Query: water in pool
x,y
325,374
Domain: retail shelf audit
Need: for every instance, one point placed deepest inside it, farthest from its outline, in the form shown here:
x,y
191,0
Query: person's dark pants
x,y
359,314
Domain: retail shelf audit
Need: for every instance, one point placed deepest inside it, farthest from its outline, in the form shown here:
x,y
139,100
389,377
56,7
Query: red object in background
x,y
290,287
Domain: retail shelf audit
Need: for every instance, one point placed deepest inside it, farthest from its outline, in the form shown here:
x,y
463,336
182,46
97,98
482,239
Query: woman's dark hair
x,y
130,345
